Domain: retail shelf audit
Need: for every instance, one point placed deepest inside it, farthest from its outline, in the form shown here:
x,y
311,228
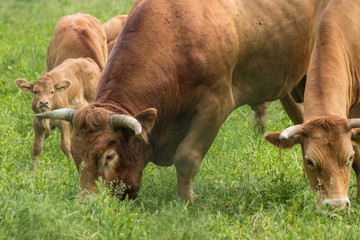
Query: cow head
x,y
111,146
328,155
44,91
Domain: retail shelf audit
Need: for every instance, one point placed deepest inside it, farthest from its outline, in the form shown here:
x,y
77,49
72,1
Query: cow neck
x,y
113,108
331,84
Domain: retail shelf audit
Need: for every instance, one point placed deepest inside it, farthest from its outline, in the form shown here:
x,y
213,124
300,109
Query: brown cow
x,y
70,85
177,72
331,96
75,36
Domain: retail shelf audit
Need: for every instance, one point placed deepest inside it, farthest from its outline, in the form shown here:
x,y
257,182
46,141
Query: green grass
x,y
243,192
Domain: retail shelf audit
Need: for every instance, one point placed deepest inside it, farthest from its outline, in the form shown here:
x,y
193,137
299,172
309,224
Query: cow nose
x,y
44,102
336,203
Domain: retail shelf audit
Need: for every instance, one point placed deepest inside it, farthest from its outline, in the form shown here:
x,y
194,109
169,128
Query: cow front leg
x,y
65,130
40,133
187,164
202,132
356,167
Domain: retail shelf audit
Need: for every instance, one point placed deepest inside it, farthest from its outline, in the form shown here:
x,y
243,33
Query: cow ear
x,y
147,120
24,85
62,85
355,136
274,139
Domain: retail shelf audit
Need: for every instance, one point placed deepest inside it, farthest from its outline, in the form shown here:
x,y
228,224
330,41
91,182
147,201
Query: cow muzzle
x,y
336,203
43,106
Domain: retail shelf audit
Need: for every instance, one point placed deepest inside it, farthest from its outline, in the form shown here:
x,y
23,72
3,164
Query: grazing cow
x,y
112,29
70,85
77,36
332,89
177,72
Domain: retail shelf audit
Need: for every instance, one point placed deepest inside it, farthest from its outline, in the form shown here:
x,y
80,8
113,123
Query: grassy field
x,y
243,192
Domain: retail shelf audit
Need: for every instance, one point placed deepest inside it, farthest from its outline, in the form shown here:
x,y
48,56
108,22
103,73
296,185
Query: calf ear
x,y
355,136
62,85
273,138
24,85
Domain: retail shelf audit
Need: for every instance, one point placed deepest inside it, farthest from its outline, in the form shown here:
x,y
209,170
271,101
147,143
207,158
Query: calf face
x,y
44,91
328,154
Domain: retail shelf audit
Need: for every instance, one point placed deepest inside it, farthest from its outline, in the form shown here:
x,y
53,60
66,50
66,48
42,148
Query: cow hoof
x,y
187,197
33,167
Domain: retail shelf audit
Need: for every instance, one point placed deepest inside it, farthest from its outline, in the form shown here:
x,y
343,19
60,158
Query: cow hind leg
x,y
202,132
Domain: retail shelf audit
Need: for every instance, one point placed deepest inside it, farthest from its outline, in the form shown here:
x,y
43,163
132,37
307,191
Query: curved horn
x,y
354,123
291,131
123,120
66,114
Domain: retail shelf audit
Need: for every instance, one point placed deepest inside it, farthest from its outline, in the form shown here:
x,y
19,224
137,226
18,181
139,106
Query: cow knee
x,y
188,163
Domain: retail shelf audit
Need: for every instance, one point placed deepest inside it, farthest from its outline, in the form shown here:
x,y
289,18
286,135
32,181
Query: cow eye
x,y
310,163
349,161
52,92
35,91
110,156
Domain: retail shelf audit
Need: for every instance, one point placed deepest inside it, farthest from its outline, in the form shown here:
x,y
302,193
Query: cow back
x,y
75,36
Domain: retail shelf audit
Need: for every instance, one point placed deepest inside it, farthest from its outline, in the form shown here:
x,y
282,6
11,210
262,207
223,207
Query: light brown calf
x,y
75,36
70,85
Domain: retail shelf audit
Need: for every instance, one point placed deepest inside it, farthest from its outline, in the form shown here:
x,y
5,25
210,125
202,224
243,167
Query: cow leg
x,y
65,130
202,132
40,132
356,167
294,110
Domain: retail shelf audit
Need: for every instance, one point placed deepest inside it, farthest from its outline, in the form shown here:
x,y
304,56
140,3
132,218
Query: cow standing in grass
x,y
328,139
76,55
177,71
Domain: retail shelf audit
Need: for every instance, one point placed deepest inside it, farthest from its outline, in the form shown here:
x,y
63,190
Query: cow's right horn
x,y
123,120
291,131
354,123
66,114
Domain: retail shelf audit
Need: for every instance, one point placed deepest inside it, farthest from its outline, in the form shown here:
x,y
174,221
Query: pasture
x,y
242,190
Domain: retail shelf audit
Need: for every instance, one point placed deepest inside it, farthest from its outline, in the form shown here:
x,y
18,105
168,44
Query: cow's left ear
x,y
147,119
355,136
274,139
62,85
24,85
